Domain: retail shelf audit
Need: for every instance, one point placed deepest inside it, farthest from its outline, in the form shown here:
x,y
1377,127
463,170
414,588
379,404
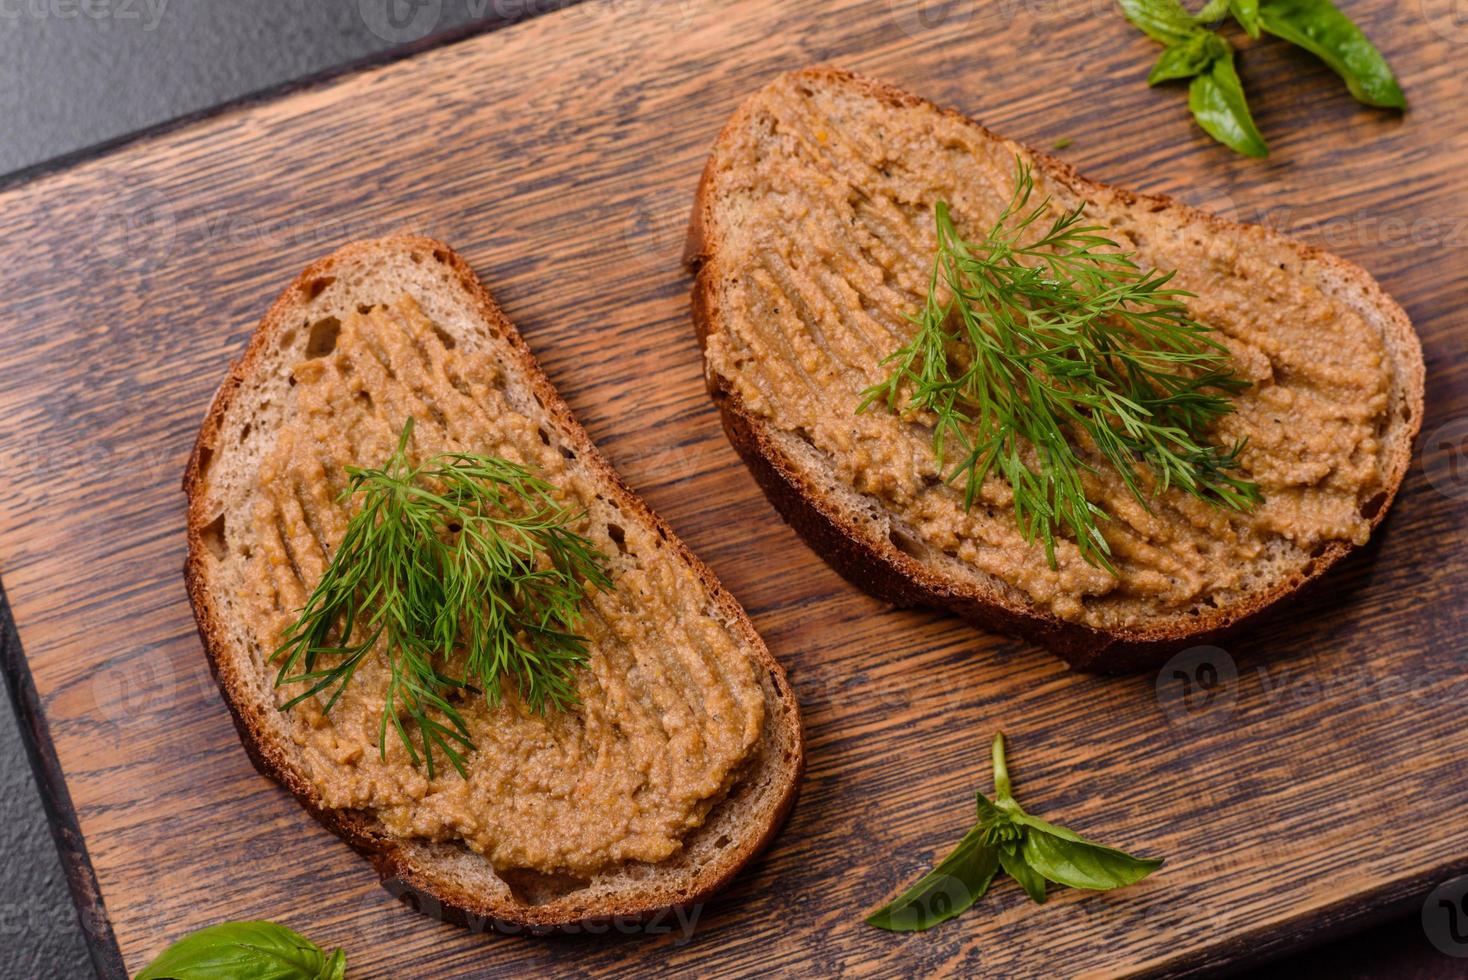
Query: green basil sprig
x,y
1216,97
1320,28
1187,58
1194,52
1246,12
246,951
1166,21
1028,849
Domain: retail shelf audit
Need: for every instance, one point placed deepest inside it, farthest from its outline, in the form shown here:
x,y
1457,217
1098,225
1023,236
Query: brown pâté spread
x,y
825,245
670,708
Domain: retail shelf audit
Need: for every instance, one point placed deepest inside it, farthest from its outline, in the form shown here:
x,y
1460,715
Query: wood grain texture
x,y
560,156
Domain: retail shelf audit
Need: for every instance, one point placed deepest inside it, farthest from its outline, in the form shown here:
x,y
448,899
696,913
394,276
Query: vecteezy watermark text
x,y
1203,687
677,922
148,13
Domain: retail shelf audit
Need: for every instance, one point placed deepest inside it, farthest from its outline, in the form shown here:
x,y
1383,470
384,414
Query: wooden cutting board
x,y
1322,785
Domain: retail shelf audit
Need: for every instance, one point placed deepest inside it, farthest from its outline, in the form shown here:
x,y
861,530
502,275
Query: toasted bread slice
x,y
485,376
812,240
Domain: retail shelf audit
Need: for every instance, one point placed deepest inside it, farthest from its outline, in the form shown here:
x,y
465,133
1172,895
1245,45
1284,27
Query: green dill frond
x,y
1038,340
462,559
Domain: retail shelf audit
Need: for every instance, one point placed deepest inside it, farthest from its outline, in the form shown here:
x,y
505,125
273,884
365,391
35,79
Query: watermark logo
x,y
1360,229
1445,917
1342,232
654,231
134,688
940,898
136,226
917,19
1363,229
1053,10
139,228
400,21
1203,687
1198,687
678,923
675,464
681,11
1212,198
1448,19
148,14
855,692
1445,459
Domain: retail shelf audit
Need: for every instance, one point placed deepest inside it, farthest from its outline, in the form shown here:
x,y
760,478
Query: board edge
x,y
61,817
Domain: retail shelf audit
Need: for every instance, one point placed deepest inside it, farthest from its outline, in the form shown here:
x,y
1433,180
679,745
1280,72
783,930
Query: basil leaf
x,y
336,966
1167,21
1212,11
1067,858
1320,28
1182,60
989,814
1025,847
957,882
245,951
1246,12
1014,864
1217,100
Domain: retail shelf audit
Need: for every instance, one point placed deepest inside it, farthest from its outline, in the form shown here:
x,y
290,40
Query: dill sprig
x,y
463,559
1053,344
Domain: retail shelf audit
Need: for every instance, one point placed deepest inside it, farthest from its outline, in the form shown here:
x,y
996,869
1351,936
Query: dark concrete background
x,y
76,74
39,933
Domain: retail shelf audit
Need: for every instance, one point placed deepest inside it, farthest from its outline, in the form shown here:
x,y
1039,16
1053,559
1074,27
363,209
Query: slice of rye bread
x,y
447,879
852,530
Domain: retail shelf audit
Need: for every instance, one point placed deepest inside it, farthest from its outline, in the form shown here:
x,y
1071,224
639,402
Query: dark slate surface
x,y
39,934
78,73
74,73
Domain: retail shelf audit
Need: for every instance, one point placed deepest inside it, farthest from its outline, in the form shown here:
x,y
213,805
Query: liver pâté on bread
x,y
685,751
812,240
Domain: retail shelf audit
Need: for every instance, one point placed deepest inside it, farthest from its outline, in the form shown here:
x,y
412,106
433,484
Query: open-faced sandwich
x,y
974,379
444,623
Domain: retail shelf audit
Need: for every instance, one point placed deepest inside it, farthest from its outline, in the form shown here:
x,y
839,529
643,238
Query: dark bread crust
x,y
405,869
884,570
